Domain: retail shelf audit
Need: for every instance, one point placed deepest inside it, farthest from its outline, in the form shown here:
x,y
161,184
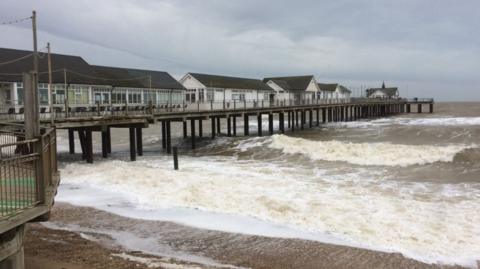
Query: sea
x,y
408,183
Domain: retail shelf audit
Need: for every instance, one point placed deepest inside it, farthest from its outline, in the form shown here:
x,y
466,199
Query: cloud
x,y
426,44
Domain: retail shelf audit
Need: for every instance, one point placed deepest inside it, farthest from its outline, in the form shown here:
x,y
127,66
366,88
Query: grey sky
x,y
429,48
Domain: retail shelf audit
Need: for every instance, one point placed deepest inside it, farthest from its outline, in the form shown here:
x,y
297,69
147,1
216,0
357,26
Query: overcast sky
x,y
429,48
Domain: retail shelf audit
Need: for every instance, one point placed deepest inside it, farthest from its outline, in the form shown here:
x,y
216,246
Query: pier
x,y
292,117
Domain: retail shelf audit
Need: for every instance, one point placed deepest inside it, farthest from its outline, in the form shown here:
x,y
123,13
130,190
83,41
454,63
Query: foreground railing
x,y
27,168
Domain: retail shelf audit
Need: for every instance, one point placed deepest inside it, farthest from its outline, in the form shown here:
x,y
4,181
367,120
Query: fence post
x,y
39,171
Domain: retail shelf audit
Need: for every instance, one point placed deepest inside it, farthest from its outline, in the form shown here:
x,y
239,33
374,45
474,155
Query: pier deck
x,y
291,117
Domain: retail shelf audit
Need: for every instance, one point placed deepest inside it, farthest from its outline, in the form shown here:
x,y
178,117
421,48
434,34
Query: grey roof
x,y
216,81
388,91
75,70
295,83
74,64
135,78
344,89
328,87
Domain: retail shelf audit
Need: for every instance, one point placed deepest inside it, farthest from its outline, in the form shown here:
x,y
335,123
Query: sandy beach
x,y
59,248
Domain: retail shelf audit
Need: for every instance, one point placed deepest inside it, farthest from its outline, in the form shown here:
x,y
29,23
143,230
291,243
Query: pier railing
x,y
27,169
78,110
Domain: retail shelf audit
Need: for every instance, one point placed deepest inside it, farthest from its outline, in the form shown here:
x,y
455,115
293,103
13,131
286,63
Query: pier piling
x,y
192,132
169,139
175,158
245,125
71,141
213,127
139,138
89,145
104,144
270,123
259,120
133,151
234,118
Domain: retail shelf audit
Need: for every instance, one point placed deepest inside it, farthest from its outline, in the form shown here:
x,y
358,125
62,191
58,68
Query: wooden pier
x,y
292,118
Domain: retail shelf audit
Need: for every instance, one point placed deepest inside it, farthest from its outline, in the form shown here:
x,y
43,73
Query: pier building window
x,y
78,95
210,95
134,97
20,93
149,97
201,95
43,93
119,98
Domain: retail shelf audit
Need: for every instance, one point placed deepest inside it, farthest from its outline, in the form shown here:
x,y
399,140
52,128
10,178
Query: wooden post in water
x,y
200,127
71,141
229,126
133,150
104,144
245,125
431,107
169,138
259,121
81,137
89,145
213,127
324,115
282,122
219,129
139,138
184,124
419,109
234,125
175,158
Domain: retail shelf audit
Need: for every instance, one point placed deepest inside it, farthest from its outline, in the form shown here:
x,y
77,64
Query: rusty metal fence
x,y
27,167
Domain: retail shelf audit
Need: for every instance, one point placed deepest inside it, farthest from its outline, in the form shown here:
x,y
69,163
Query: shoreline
x,y
90,238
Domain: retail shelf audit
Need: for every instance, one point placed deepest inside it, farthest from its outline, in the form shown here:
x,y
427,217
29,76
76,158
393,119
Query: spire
x,y
383,85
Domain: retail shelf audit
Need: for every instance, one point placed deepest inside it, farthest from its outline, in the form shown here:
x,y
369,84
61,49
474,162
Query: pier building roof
x,y
226,82
292,83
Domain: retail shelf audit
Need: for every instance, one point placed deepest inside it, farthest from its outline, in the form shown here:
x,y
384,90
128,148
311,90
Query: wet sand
x,y
92,245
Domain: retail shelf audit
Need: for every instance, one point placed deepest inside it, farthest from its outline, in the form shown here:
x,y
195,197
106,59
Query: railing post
x,y
39,171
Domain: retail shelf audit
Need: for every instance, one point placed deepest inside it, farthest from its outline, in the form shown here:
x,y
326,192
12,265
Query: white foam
x,y
429,222
385,154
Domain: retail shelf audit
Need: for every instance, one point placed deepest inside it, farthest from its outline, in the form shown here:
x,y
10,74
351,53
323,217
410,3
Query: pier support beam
x,y
213,127
133,151
139,138
281,125
270,123
324,115
229,126
259,121
200,127
104,144
71,141
89,145
184,124
318,116
409,108
169,138
234,125
219,127
245,125
431,108
109,140
81,137
419,109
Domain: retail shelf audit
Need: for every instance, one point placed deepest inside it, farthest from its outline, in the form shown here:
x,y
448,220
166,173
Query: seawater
x,y
408,184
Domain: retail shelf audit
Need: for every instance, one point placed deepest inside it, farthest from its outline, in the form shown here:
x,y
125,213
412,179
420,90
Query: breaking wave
x,y
381,154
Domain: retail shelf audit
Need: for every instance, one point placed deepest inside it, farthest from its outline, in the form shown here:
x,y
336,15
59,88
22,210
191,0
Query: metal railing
x,y
170,107
27,168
